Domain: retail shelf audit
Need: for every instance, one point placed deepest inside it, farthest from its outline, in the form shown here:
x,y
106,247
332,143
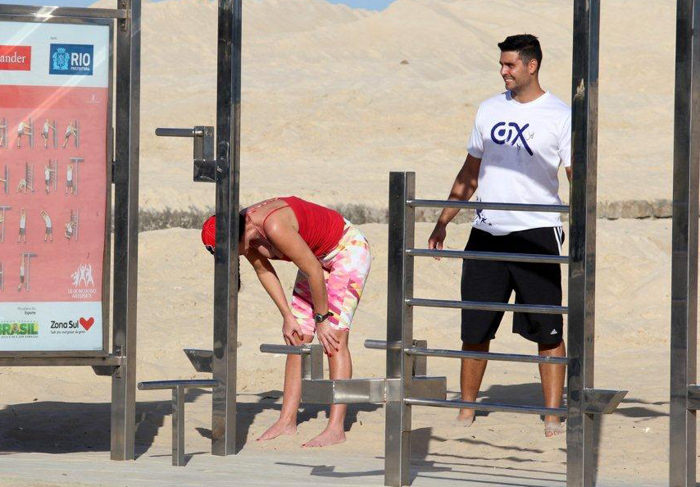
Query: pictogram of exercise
x,y
25,129
26,184
50,171
72,175
25,271
49,127
74,130
22,237
3,209
48,231
3,133
73,225
5,180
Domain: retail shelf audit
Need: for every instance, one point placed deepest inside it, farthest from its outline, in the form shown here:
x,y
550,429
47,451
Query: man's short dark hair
x,y
526,45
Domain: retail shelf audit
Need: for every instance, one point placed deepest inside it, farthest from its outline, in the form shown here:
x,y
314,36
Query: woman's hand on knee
x,y
291,331
329,338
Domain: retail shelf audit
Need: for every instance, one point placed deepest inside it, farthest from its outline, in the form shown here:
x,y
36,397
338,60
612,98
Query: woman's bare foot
x,y
326,438
465,417
278,429
553,428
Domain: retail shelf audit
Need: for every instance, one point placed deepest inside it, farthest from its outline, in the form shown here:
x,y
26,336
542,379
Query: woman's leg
x,y
287,422
340,365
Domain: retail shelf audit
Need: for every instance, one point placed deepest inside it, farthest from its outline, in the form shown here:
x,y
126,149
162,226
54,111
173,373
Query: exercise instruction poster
x,y
54,82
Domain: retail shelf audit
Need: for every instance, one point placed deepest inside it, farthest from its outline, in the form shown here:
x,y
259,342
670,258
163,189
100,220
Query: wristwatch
x,y
319,318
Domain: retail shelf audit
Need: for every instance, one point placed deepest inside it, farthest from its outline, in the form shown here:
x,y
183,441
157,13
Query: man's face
x,y
514,72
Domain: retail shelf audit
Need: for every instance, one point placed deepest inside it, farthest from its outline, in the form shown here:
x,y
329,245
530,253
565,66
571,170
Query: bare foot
x,y
553,428
326,438
465,417
278,429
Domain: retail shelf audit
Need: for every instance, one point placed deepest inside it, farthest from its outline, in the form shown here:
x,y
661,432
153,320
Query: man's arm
x,y
463,189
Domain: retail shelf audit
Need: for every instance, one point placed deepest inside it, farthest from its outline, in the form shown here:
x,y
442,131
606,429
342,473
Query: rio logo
x,y
511,133
71,59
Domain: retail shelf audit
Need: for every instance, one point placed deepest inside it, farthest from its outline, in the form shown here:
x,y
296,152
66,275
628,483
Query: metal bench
x,y
178,387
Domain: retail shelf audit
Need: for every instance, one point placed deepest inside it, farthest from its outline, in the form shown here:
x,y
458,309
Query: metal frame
x,y
123,163
684,246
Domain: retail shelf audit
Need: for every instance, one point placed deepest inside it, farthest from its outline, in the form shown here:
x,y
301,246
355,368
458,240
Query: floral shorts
x,y
346,269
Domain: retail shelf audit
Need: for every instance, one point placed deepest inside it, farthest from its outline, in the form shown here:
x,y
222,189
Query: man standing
x,y
519,140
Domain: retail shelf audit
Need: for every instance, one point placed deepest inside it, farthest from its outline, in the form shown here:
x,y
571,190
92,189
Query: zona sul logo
x,y
511,133
71,59
15,58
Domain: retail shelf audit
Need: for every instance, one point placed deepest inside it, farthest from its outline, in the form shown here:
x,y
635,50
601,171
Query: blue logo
x,y
71,59
511,133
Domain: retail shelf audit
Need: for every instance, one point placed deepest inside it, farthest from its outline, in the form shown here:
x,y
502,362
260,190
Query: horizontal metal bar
x,y
487,306
482,205
107,360
482,406
381,344
73,12
172,384
168,132
495,256
284,349
502,357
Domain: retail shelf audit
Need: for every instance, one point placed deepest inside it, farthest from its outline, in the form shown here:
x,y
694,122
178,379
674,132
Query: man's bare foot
x,y
465,417
553,428
278,429
326,438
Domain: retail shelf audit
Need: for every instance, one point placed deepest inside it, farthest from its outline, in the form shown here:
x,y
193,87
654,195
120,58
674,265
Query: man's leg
x,y
552,385
470,378
340,367
287,422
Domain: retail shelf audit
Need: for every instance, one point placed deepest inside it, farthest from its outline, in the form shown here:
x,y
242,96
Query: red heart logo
x,y
87,323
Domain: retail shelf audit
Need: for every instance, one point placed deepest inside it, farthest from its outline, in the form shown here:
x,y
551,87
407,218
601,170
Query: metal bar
x,y
684,247
497,256
126,227
581,460
167,132
482,406
39,361
481,205
381,345
178,426
284,349
485,306
228,117
499,357
399,329
69,12
153,385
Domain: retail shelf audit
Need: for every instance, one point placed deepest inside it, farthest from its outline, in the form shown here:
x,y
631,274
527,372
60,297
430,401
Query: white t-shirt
x,y
521,146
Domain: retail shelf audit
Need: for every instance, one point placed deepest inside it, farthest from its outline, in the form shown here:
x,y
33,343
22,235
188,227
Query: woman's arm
x,y
269,280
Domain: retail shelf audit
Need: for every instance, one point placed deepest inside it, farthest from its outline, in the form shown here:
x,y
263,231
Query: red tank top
x,y
320,227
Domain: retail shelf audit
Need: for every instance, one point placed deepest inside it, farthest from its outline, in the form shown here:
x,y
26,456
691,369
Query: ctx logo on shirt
x,y
15,58
71,59
511,133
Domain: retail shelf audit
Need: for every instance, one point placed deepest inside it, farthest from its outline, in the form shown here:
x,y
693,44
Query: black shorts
x,y
495,281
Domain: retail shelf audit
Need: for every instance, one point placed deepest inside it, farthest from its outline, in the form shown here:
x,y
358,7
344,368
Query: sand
x,y
329,108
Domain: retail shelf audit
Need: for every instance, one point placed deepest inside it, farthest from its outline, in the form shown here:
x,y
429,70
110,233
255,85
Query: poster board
x,y
55,182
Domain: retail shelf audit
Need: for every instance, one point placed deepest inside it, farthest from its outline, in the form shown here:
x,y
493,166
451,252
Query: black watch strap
x,y
319,318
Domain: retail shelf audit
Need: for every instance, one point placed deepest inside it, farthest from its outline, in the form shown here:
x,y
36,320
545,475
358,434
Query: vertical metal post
x,y
228,116
399,328
178,426
126,227
684,259
582,243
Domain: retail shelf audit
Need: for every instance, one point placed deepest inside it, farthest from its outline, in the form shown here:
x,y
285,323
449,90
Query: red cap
x,y
209,232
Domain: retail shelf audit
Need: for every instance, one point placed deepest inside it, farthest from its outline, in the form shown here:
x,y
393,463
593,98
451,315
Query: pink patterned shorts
x,y
346,269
